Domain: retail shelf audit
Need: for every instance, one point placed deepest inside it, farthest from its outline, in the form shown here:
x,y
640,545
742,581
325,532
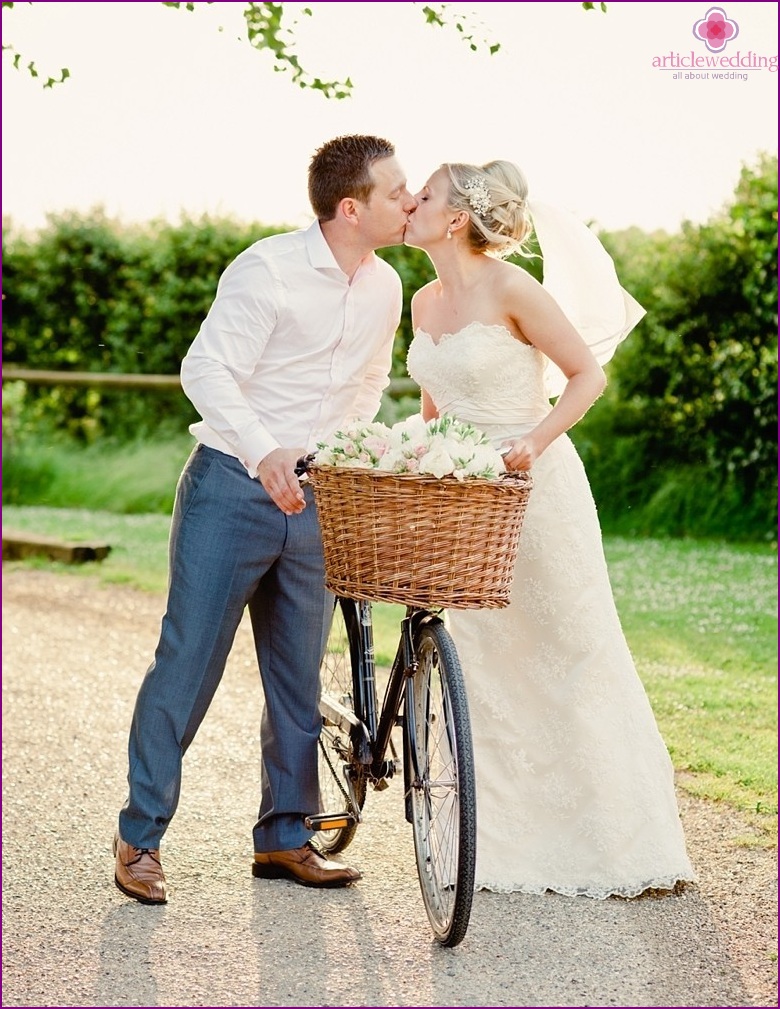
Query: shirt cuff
x,y
256,449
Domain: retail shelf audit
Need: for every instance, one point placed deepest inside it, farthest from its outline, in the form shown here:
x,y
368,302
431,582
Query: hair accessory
x,y
478,196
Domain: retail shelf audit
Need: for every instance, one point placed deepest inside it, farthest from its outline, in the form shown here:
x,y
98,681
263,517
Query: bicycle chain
x,y
342,789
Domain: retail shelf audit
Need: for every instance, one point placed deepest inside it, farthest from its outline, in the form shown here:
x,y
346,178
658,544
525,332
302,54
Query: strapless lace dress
x,y
575,785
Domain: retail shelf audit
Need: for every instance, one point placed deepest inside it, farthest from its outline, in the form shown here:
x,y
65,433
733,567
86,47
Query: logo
x,y
716,30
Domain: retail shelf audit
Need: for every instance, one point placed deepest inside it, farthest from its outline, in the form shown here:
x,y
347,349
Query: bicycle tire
x,y
442,785
335,753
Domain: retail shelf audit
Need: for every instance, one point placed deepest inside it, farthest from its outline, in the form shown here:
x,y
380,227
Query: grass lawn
x,y
701,619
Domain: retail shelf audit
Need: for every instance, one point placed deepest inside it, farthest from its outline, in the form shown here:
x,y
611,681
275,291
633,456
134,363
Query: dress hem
x,y
667,883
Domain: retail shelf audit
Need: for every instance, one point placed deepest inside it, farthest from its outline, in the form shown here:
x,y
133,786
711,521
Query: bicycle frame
x,y
425,695
371,738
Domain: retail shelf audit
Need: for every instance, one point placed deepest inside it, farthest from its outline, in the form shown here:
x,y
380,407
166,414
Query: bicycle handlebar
x,y
302,466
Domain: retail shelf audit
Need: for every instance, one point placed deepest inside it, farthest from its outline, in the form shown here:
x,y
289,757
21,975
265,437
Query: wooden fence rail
x,y
398,386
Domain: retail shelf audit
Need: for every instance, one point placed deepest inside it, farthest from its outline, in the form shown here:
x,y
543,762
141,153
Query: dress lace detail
x,y
575,786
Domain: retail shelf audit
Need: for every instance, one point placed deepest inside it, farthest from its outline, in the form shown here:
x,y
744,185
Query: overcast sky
x,y
165,114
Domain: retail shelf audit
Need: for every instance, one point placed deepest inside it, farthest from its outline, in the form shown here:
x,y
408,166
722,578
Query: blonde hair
x,y
499,224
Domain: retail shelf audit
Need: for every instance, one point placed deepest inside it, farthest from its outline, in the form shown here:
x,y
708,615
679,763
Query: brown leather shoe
x,y
138,873
305,865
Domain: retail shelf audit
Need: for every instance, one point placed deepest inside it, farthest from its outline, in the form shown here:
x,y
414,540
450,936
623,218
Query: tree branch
x,y
266,30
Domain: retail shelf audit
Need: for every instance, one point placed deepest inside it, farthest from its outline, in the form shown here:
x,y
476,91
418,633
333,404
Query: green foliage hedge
x,y
684,440
87,294
687,432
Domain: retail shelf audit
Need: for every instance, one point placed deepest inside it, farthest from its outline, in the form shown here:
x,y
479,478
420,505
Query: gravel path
x,y
74,652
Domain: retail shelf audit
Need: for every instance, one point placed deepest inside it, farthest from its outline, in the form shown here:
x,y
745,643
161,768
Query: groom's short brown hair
x,y
341,168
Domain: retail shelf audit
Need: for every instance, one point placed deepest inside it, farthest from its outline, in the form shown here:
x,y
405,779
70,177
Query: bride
x,y
575,785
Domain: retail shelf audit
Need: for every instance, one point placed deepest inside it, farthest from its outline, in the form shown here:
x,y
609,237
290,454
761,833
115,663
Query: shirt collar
x,y
321,255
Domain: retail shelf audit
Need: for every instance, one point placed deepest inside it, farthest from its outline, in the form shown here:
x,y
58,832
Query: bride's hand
x,y
519,455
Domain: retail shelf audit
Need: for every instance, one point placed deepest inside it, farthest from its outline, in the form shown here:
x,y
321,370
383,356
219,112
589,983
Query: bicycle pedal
x,y
329,821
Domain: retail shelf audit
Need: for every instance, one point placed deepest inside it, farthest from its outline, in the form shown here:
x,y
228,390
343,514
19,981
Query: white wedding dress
x,y
575,788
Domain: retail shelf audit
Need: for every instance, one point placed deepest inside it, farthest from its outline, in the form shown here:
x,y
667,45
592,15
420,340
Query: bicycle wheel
x,y
335,745
442,788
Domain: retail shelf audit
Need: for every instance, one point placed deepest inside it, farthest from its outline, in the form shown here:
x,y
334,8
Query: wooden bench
x,y
18,545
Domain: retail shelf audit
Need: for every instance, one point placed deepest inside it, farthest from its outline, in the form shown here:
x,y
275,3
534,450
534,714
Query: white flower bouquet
x,y
419,513
439,448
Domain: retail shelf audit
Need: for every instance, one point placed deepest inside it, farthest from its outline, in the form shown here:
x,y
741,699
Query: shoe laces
x,y
141,852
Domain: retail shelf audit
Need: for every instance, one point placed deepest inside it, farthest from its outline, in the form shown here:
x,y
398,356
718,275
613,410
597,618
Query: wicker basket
x,y
419,540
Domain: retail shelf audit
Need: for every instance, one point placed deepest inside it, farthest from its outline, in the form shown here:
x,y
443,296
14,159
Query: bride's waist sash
x,y
490,419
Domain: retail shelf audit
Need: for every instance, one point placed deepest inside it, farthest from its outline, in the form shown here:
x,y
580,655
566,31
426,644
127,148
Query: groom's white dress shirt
x,y
291,349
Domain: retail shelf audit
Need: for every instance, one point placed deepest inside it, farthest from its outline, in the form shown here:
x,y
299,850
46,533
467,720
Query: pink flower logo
x,y
715,29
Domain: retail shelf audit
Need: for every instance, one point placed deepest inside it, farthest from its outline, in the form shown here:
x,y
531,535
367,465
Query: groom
x,y
297,341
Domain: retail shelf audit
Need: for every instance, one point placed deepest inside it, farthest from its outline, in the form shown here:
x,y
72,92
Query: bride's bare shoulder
x,y
425,292
424,296
512,285
511,275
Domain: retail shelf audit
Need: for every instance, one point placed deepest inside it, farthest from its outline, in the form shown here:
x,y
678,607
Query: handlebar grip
x,y
302,466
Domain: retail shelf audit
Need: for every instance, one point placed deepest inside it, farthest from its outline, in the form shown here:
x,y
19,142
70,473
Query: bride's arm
x,y
542,322
427,406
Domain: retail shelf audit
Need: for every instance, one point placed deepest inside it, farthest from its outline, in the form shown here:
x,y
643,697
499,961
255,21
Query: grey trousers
x,y
231,547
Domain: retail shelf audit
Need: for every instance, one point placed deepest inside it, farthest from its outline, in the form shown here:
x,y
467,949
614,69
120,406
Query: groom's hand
x,y
277,474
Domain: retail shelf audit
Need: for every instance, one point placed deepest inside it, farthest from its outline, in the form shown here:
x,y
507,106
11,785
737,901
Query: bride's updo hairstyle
x,y
495,198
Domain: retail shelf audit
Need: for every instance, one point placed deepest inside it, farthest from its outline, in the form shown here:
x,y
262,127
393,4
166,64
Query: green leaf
x,y
266,31
460,24
432,17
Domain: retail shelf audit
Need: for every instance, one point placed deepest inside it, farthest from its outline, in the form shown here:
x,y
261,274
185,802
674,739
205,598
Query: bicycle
x,y
426,696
